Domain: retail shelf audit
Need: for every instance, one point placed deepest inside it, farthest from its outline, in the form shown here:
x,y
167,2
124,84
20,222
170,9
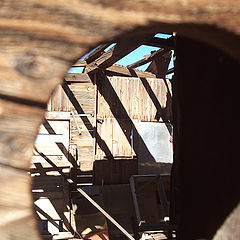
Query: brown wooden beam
x,y
148,58
96,53
77,77
161,42
159,64
117,52
124,71
169,71
113,70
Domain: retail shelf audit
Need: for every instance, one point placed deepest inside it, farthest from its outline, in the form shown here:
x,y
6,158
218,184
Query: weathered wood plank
x,y
124,71
77,77
18,127
149,103
57,115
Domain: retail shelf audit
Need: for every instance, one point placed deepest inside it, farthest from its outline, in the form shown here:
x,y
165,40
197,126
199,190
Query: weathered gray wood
x,y
77,77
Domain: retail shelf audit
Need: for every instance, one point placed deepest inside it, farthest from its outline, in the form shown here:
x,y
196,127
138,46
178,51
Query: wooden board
x,y
53,142
116,135
145,99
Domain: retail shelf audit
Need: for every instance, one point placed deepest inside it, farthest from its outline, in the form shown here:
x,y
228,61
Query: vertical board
x,y
142,98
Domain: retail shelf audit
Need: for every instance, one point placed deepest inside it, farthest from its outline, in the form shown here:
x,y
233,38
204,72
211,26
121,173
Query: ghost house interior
x,y
138,139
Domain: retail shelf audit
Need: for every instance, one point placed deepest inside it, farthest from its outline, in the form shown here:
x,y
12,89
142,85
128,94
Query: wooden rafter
x,y
113,70
148,58
161,42
124,71
169,71
159,64
117,52
96,53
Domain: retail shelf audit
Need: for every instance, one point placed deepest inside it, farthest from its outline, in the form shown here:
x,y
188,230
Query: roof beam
x,y
159,65
169,71
161,42
123,71
117,52
114,70
148,58
96,53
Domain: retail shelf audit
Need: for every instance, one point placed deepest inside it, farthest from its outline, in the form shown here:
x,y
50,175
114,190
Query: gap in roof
x,y
132,57
80,69
162,35
137,55
140,52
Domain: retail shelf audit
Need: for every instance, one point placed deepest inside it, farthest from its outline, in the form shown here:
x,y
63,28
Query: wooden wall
x,y
99,135
113,107
122,103
142,98
79,100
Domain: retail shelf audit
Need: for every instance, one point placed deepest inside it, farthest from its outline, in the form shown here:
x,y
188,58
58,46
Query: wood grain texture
x,y
41,39
144,99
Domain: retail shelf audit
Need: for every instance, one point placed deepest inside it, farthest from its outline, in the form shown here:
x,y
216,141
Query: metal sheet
x,y
157,138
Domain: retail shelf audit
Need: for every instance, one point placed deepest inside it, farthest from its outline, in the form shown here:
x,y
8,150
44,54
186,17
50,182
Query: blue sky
x,y
134,56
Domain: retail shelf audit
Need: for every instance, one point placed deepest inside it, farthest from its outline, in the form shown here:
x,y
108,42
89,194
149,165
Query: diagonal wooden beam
x,y
96,53
169,71
159,65
148,58
161,42
115,69
117,52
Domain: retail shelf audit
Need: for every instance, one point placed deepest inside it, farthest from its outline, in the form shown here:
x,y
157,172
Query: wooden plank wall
x,y
141,98
57,153
84,141
79,99
138,99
